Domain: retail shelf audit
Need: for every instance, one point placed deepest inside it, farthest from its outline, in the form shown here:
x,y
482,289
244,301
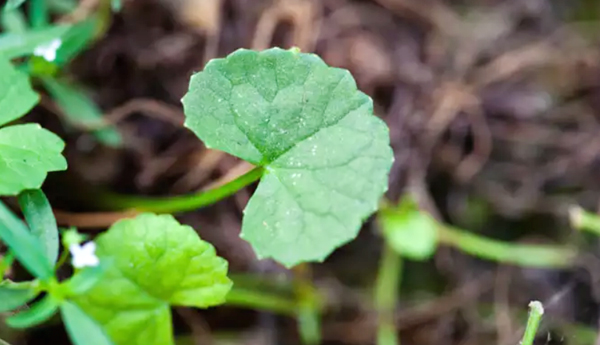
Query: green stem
x,y
182,203
386,295
254,299
536,310
584,220
529,255
38,13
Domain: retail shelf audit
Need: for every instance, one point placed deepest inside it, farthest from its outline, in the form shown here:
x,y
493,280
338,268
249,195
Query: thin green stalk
x,y
529,255
536,310
584,220
182,203
38,13
253,299
386,295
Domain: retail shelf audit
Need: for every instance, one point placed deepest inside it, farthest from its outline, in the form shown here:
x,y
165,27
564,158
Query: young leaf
x,y
326,156
15,45
156,263
14,295
86,278
75,40
82,329
16,95
24,245
41,221
13,5
27,153
409,231
38,313
78,107
13,21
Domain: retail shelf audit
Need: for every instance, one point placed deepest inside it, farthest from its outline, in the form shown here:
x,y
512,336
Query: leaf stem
x,y
536,310
528,255
182,203
386,295
584,220
261,300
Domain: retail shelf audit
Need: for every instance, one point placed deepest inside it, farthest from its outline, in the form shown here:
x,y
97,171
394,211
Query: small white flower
x,y
48,50
84,255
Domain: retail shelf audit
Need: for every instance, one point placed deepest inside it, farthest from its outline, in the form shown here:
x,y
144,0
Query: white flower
x,y
48,50
85,255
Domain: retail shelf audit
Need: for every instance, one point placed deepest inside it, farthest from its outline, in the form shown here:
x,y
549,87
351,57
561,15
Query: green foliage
x,y
27,153
16,95
12,5
78,107
41,221
24,245
156,263
326,156
38,313
15,45
14,295
408,230
82,329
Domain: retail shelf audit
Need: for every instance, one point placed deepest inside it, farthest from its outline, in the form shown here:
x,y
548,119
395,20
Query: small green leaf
x,y
27,153
15,45
14,295
326,156
86,279
408,230
82,329
13,5
157,263
13,22
16,95
41,221
24,245
78,107
38,313
74,41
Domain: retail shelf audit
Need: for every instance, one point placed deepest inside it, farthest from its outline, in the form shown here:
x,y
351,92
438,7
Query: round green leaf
x,y
27,153
409,231
326,156
153,262
16,95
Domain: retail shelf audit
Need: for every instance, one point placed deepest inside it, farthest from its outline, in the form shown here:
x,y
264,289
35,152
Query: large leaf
x,y
14,45
78,107
24,245
16,95
14,295
156,263
327,157
27,153
41,221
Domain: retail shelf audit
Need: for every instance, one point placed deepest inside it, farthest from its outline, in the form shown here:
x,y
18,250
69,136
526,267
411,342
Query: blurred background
x,y
494,114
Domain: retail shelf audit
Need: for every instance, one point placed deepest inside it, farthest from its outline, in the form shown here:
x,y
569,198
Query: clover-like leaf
x,y
16,95
156,262
326,156
27,153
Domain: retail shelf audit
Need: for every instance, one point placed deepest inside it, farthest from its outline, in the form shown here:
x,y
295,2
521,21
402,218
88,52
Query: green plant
x,y
321,156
